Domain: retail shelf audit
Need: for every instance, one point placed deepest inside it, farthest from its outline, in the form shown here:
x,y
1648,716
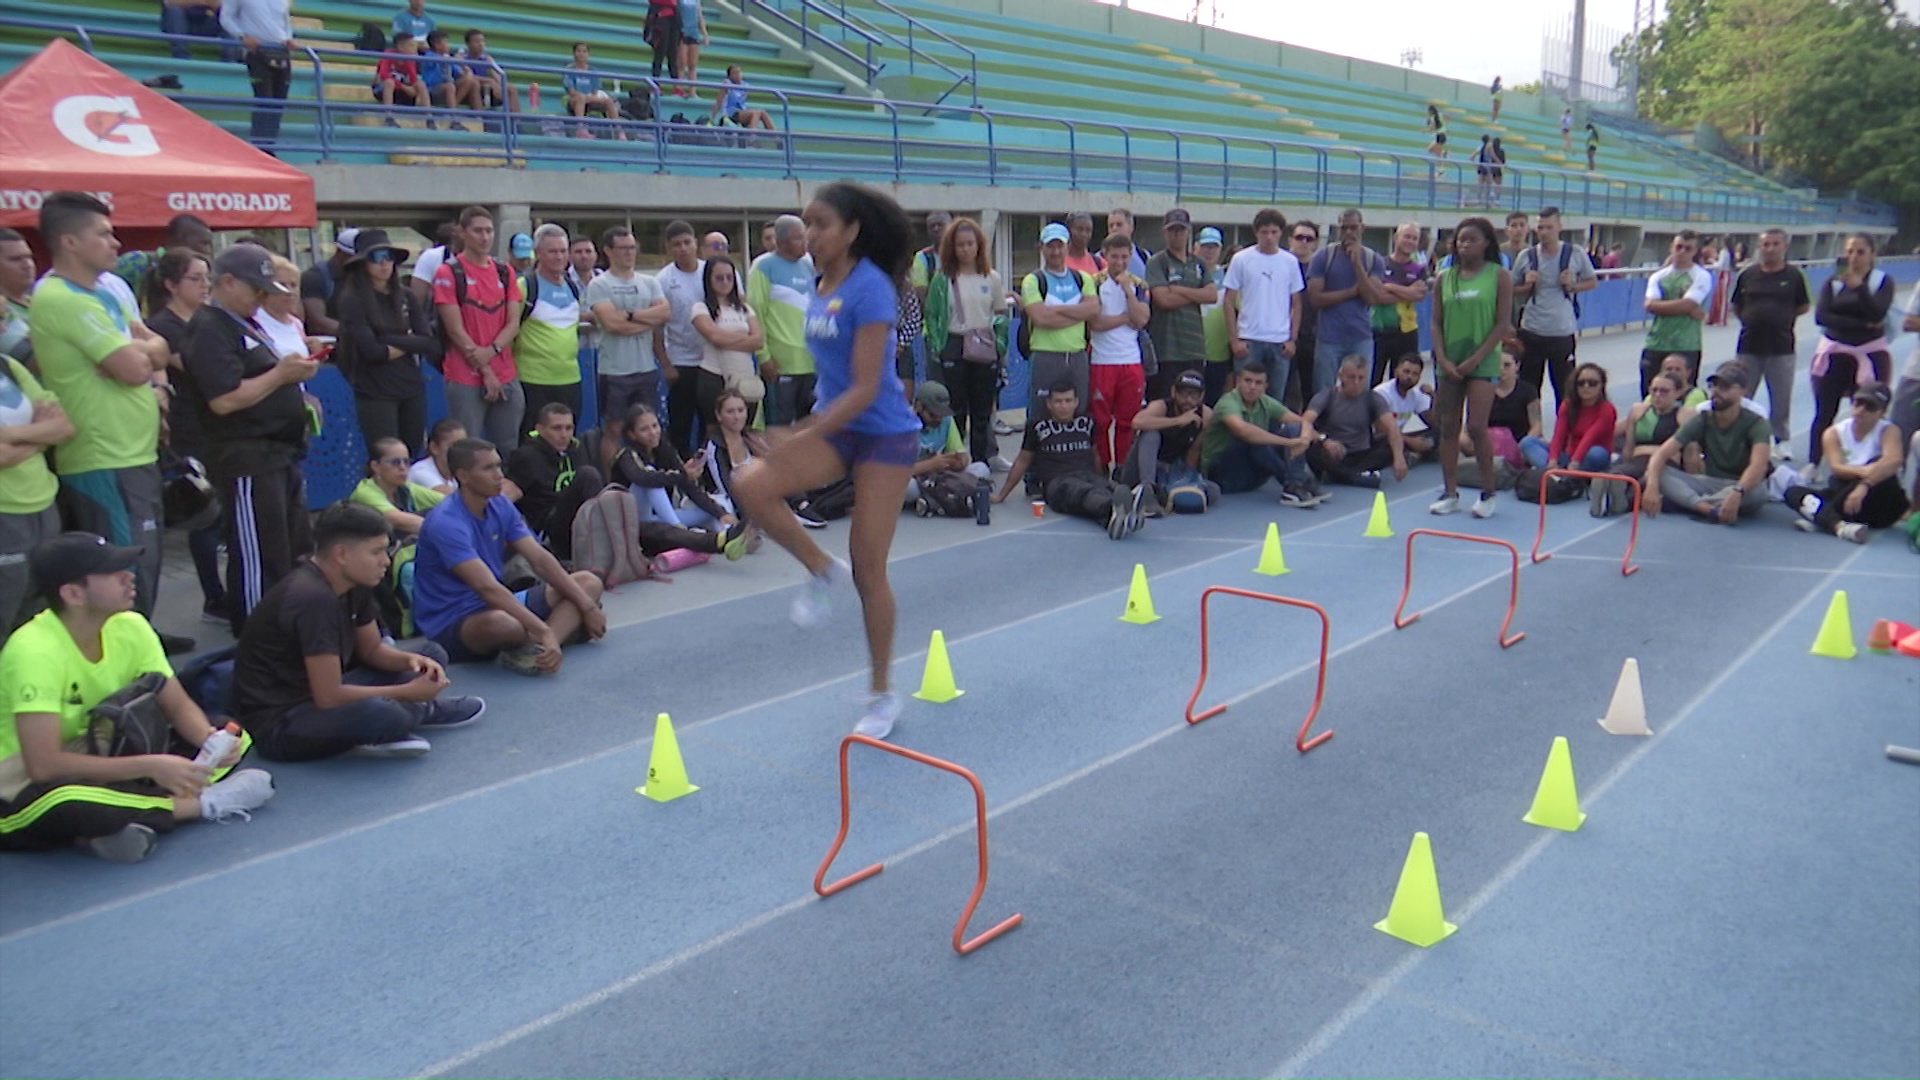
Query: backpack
x,y
1026,322
530,296
949,493
1559,489
606,538
394,596
833,502
459,271
638,106
1566,261
1186,490
370,38
208,680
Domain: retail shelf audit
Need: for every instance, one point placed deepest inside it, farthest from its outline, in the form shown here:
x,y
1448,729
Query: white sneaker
x,y
409,747
1446,504
999,464
814,605
237,795
1853,532
882,711
1483,506
1805,525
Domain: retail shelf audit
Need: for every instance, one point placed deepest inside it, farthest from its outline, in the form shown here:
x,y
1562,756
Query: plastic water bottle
x,y
982,504
218,745
533,97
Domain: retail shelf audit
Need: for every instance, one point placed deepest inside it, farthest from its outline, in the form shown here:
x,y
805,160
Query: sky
x,y
1452,35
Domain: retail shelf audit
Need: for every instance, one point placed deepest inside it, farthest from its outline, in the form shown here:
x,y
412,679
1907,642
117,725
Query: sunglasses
x,y
1586,382
1306,238
381,257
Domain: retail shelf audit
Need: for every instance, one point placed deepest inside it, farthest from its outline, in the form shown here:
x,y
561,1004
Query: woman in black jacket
x,y
653,470
1852,313
382,334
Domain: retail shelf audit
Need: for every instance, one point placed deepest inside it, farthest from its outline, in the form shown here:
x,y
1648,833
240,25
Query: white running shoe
x,y
1483,506
1446,504
238,795
882,711
814,606
1853,532
410,747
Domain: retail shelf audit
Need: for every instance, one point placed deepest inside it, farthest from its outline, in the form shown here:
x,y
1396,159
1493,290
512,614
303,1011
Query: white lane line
x,y
1380,988
620,748
573,1008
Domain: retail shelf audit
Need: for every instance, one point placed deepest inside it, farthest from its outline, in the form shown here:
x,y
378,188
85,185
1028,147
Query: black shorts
x,y
1440,138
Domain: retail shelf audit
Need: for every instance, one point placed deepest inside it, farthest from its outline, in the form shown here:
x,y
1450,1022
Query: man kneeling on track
x,y
56,788
1059,449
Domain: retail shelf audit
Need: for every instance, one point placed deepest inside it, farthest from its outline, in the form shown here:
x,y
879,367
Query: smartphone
x,y
326,347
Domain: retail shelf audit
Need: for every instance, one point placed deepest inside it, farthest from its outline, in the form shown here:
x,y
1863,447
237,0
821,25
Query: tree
x,y
1824,87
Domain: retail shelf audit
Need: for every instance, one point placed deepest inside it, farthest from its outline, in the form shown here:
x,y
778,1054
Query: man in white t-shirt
x,y
1119,383
1411,405
1264,287
679,346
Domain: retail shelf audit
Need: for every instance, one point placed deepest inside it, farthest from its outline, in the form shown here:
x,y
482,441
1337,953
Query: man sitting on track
x,y
1737,444
1253,437
1354,433
459,600
1059,449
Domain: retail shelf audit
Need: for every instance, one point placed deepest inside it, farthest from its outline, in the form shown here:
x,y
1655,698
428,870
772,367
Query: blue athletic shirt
x,y
867,297
449,536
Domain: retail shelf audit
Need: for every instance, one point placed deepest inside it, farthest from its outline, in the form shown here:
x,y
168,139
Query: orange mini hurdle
x,y
1513,598
1300,740
1627,569
960,944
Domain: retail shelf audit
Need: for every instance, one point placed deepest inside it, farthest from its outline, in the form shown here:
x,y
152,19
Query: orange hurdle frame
x,y
1627,569
1300,740
1513,598
960,945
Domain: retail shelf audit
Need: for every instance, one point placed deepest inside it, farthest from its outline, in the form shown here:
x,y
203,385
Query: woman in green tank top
x,y
1467,332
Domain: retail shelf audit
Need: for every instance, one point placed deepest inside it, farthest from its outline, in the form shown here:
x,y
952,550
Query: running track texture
x,y
1197,901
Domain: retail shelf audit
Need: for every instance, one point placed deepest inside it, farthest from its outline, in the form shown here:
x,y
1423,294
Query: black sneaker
x,y
808,518
1117,519
454,712
1368,479
922,507
1136,513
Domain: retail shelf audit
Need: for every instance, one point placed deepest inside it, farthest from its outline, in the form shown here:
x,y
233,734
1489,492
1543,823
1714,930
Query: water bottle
x,y
983,503
218,745
533,97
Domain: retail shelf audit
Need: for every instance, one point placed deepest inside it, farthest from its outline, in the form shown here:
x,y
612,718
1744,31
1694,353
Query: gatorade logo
x,y
104,125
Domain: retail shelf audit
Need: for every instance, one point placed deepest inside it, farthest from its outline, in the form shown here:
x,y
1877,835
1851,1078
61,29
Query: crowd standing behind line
x,y
1162,380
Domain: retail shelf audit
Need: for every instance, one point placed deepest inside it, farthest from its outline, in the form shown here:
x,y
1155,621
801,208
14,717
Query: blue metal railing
x,y
1101,154
802,23
969,78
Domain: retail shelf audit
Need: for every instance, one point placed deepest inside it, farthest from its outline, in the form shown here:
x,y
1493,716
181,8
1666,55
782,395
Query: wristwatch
x,y
1738,490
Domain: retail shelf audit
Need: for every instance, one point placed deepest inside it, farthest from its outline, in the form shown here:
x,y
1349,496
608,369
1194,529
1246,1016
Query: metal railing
x,y
969,78
1102,154
809,35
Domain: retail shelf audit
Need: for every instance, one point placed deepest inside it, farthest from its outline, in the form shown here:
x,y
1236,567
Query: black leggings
x,y
1884,504
683,409
1083,494
1832,388
404,420
973,388
666,44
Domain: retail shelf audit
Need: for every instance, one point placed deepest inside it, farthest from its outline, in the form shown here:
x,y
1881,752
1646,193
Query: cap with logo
x,y
1873,393
1209,235
1176,218
933,397
1190,380
251,264
1052,231
75,556
344,241
521,246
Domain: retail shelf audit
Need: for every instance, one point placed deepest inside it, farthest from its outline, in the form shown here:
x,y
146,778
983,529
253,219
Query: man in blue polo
x,y
1343,286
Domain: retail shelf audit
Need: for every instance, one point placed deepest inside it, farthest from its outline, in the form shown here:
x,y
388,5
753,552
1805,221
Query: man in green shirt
x,y
1058,301
1676,297
779,288
109,383
30,421
1181,289
16,293
1252,437
89,645
1737,444
547,352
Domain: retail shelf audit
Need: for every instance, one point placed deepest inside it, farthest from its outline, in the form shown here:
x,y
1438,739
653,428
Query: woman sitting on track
x,y
1652,422
652,470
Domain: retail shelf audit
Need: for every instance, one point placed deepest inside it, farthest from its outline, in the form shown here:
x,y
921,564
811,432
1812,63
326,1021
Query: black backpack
x,y
1566,261
370,38
1026,322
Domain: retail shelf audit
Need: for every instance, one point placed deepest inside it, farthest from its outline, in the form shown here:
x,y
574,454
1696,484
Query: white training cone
x,y
1627,712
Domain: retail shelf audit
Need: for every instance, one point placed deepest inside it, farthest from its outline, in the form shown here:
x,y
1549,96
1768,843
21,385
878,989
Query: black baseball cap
x,y
1190,380
1731,373
1874,393
74,556
250,263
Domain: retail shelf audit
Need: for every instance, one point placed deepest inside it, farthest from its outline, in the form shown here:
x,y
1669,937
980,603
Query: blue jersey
x,y
866,297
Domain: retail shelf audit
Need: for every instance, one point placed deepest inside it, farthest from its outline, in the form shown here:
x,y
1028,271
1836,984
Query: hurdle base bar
x,y
1300,740
1627,568
961,944
1513,597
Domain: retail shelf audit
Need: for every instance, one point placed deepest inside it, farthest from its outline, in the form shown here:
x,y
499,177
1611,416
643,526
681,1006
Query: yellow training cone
x,y
936,685
1556,803
1836,630
666,773
1272,562
1378,527
1415,915
1627,712
1139,600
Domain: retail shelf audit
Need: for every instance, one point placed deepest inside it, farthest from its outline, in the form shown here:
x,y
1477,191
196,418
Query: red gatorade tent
x,y
75,124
